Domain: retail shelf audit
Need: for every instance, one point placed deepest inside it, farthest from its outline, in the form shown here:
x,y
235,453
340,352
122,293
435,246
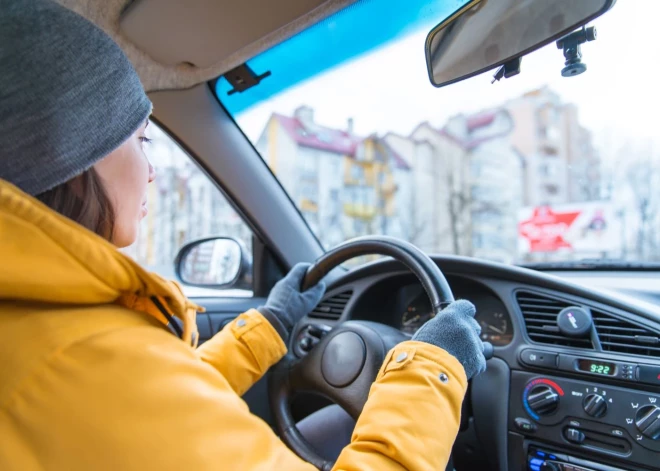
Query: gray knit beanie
x,y
68,95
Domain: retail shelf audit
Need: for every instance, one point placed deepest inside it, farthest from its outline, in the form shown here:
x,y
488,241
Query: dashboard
x,y
548,400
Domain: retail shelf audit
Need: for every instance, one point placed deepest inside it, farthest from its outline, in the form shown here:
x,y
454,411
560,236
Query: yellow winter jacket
x,y
91,377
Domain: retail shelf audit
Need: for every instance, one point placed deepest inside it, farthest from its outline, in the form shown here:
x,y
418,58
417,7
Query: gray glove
x,y
455,330
287,304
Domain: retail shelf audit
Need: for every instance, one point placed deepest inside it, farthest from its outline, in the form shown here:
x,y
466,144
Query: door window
x,y
184,205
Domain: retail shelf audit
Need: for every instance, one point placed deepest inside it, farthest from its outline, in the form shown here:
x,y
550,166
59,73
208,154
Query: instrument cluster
x,y
492,315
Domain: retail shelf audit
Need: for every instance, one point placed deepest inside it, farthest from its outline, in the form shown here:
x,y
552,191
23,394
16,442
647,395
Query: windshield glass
x,y
535,168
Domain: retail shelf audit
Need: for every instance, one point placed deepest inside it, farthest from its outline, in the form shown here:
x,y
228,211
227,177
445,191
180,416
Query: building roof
x,y
331,140
344,143
472,123
399,161
474,143
327,139
480,120
451,137
442,132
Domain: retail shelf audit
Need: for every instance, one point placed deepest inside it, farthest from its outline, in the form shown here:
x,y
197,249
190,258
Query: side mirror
x,y
216,263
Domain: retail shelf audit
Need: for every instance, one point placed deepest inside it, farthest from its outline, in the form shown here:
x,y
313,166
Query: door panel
x,y
221,311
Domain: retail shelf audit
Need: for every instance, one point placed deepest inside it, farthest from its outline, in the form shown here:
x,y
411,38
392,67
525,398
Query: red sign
x,y
546,229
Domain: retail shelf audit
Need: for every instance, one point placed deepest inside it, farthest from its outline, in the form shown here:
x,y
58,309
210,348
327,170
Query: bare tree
x,y
640,176
636,182
417,227
459,206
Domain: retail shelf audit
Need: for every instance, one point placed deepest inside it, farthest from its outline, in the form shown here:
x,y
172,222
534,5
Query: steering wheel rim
x,y
347,385
427,272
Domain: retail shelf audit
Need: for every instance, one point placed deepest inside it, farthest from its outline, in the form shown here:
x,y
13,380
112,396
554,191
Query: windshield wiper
x,y
596,264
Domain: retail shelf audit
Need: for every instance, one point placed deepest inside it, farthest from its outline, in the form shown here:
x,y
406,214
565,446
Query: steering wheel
x,y
345,363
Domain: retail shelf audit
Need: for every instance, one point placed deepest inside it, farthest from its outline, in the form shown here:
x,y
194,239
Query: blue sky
x,y
357,30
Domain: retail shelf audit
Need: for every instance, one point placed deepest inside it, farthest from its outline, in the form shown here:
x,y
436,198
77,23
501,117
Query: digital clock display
x,y
597,367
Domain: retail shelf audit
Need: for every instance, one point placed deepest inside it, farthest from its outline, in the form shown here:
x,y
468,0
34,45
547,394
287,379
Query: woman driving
x,y
92,374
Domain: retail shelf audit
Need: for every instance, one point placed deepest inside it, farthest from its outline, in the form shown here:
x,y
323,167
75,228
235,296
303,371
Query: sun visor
x,y
207,32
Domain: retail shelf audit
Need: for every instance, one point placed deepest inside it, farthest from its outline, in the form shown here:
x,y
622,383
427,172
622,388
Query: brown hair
x,y
83,200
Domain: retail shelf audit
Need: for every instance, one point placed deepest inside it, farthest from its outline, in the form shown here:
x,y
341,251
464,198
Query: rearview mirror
x,y
218,262
485,34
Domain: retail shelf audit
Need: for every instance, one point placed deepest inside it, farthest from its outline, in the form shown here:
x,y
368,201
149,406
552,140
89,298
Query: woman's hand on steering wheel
x,y
288,302
454,330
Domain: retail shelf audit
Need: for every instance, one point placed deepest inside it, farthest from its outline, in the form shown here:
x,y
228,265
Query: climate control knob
x,y
647,421
595,405
543,399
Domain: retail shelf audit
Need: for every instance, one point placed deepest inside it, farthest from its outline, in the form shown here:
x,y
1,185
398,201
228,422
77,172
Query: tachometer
x,y
495,325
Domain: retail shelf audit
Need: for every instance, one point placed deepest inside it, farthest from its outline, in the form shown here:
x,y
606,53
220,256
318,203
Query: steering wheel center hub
x,y
343,359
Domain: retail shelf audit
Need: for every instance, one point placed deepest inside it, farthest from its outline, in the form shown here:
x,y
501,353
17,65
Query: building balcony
x,y
549,145
360,211
388,188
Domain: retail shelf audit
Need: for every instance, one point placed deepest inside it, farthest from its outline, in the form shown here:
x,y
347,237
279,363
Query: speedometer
x,y
495,328
415,315
495,323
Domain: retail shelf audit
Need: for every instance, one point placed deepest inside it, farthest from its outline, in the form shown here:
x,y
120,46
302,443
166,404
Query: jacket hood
x,y
48,258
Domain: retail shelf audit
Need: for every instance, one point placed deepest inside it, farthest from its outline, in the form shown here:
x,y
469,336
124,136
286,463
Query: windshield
x,y
535,168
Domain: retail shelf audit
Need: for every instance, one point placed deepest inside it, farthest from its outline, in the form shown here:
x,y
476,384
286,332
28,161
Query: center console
x,y
585,423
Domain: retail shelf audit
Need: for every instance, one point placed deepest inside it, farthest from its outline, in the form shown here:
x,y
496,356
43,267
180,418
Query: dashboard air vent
x,y
540,314
332,308
621,336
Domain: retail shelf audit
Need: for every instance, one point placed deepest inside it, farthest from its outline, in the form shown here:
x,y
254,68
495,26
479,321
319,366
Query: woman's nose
x,y
152,173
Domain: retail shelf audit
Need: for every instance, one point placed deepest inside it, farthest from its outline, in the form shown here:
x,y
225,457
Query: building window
x,y
489,217
551,189
357,173
553,133
335,165
487,241
309,192
349,194
485,193
309,163
370,196
548,170
476,168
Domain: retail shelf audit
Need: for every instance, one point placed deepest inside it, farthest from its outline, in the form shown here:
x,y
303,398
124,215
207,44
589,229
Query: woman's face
x,y
125,174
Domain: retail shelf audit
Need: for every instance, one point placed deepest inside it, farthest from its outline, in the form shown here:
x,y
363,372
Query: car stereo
x,y
543,460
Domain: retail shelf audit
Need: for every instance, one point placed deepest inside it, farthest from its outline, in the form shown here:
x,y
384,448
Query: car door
x,y
185,205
